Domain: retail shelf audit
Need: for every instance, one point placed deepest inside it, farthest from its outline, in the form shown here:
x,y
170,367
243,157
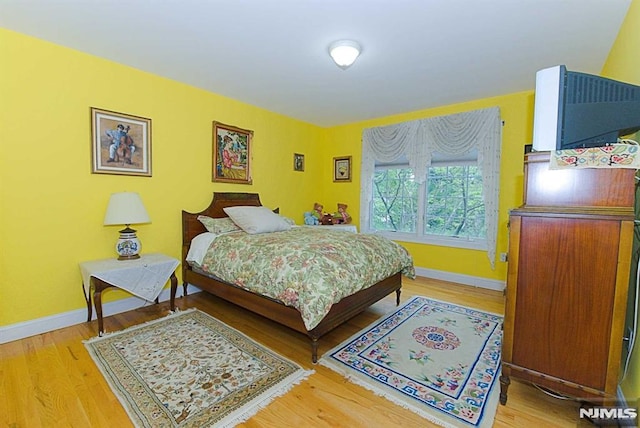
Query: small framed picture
x,y
231,154
298,162
121,143
342,168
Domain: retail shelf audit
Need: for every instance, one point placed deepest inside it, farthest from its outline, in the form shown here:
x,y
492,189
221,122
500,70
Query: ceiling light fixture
x,y
344,52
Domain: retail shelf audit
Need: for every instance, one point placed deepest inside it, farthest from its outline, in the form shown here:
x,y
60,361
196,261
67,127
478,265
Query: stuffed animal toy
x,y
342,216
326,219
317,211
310,219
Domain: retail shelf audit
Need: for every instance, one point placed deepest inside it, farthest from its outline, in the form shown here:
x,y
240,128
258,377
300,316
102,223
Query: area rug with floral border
x,y
437,359
191,370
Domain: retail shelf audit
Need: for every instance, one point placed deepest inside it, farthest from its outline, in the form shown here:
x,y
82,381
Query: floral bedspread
x,y
309,269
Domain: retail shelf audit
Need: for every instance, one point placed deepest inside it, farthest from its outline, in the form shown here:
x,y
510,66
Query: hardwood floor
x,y
50,380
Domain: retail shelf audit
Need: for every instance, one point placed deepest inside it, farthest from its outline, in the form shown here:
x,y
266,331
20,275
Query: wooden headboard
x,y
192,227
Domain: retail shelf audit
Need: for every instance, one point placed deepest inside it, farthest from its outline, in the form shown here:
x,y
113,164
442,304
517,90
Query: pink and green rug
x,y
191,370
437,359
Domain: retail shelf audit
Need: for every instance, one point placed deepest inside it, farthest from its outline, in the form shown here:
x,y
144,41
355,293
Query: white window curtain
x,y
417,140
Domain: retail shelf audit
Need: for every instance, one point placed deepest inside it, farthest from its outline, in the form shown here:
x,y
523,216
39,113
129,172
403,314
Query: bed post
x,y
314,350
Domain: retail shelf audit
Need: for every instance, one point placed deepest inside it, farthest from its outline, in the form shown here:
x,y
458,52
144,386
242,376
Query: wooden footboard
x,y
290,317
272,309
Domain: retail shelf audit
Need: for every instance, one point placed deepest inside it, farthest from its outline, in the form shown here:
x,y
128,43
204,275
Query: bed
x,y
273,308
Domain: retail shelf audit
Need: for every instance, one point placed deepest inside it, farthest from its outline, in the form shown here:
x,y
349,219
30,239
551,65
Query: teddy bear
x,y
327,219
317,211
342,216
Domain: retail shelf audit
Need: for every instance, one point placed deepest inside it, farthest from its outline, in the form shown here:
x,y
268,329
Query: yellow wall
x,y
624,64
517,113
52,206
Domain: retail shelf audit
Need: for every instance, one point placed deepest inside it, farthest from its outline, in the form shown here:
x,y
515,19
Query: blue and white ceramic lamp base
x,y
128,245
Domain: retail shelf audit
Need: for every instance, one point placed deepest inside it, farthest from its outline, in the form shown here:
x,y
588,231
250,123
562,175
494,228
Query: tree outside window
x,y
448,206
455,206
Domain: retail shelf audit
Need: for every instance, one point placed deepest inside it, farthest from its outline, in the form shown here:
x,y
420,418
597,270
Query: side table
x,y
144,277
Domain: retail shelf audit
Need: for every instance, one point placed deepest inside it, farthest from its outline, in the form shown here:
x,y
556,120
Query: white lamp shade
x,y
125,208
344,52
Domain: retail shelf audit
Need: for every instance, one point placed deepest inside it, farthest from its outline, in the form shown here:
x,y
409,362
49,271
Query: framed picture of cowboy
x,y
231,154
121,143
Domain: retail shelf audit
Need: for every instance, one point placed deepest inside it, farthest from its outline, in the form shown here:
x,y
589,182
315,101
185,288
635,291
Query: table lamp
x,y
126,208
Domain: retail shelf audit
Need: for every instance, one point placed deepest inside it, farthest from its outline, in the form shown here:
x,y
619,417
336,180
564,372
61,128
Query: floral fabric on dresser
x,y
306,268
621,155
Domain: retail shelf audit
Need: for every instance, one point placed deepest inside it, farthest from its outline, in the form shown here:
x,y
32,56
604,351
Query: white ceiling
x,y
416,54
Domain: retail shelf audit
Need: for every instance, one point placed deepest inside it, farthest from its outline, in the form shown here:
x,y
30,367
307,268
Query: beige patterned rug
x,y
191,370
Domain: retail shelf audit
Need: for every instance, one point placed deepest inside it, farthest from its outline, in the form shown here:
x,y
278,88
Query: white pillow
x,y
199,246
257,219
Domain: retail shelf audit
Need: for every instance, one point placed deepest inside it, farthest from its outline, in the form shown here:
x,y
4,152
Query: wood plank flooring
x,y
49,380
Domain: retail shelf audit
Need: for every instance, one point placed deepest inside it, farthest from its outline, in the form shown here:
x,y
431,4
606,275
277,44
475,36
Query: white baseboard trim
x,y
475,281
43,325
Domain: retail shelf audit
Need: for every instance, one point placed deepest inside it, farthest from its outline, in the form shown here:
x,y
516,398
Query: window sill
x,y
479,244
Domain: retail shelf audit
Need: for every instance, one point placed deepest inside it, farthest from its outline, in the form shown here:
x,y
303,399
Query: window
x,y
447,209
434,180
395,200
455,206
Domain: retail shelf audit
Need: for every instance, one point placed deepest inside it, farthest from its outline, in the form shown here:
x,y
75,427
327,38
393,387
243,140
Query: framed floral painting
x,y
231,154
121,143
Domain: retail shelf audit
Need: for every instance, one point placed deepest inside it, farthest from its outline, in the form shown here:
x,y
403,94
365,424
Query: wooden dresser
x,y
570,250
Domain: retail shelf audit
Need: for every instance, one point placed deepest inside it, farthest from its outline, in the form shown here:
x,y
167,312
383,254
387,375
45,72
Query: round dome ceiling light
x,y
344,52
